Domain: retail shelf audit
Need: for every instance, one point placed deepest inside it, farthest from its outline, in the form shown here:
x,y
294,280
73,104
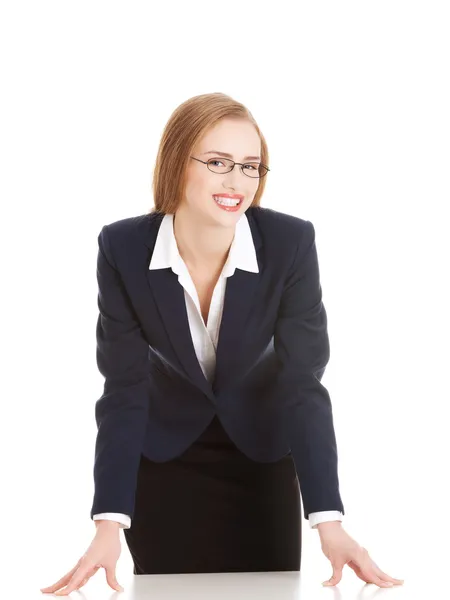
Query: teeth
x,y
226,201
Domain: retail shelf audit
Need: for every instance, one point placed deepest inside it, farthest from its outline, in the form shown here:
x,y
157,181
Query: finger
x,y
88,576
357,570
381,583
111,579
85,580
336,577
61,582
367,573
382,575
76,579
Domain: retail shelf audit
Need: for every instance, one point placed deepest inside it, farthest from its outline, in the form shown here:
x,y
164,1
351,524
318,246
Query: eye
x,y
253,166
215,161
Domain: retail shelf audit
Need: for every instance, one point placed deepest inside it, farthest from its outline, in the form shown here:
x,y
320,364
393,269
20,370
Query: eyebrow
x,y
217,152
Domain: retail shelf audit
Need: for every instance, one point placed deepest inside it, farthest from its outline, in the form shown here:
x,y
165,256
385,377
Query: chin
x,y
228,216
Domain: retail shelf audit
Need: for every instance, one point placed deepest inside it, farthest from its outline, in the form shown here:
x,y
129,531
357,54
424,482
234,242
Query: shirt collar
x,y
242,254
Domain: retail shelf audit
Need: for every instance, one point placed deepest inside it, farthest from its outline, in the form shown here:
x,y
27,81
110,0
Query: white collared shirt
x,y
242,255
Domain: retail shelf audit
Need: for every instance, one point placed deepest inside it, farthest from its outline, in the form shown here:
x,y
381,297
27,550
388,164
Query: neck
x,y
201,245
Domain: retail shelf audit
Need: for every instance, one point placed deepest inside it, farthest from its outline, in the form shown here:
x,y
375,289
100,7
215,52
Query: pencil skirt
x,y
214,510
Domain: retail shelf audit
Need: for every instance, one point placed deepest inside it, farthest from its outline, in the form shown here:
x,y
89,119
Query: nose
x,y
231,178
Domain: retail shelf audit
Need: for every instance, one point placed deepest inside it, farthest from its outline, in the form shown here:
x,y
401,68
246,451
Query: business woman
x,y
212,338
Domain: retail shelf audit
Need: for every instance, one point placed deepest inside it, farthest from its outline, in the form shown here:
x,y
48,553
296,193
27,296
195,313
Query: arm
x,y
302,346
122,411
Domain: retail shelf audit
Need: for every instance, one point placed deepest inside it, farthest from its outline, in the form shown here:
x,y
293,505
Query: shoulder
x,y
130,228
127,237
273,221
285,230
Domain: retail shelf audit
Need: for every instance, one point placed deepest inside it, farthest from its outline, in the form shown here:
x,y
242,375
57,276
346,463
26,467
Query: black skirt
x,y
214,510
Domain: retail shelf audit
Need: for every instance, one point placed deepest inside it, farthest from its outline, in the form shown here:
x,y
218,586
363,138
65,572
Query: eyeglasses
x,y
253,169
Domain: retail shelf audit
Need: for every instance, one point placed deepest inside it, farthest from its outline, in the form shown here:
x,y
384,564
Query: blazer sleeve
x,y
121,412
302,347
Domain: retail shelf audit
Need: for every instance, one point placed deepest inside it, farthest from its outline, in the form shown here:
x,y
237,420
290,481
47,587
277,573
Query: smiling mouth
x,y
231,202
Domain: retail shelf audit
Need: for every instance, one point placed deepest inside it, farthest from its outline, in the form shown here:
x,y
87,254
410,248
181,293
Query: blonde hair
x,y
187,124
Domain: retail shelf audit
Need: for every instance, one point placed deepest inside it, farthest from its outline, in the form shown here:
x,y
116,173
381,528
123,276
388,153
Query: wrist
x,y
106,524
329,525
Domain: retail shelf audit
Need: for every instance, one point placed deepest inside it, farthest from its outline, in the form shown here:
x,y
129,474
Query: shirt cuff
x,y
123,520
323,516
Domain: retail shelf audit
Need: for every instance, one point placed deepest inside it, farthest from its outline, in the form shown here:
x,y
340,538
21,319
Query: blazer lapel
x,y
239,298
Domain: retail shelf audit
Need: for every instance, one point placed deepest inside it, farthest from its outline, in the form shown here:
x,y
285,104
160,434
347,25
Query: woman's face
x,y
238,138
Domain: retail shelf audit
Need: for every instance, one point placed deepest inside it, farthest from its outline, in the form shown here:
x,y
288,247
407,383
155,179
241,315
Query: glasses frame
x,y
205,162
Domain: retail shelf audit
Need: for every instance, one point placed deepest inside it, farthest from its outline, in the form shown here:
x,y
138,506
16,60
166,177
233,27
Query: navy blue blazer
x,y
272,351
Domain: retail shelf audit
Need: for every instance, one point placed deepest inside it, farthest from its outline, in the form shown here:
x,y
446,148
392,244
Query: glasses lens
x,y
254,169
224,165
219,165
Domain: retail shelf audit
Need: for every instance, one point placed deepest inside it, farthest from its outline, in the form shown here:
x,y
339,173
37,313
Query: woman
x,y
212,338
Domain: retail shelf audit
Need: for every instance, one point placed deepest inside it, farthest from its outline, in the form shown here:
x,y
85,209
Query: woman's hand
x,y
341,550
104,551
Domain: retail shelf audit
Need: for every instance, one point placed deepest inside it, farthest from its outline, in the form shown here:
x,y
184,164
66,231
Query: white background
x,y
353,99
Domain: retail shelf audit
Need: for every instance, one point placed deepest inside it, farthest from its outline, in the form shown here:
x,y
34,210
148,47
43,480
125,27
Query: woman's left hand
x,y
341,550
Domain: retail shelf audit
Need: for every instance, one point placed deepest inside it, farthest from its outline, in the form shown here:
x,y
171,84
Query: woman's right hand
x,y
104,551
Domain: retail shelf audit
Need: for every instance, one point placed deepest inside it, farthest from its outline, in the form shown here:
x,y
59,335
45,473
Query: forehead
x,y
231,138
